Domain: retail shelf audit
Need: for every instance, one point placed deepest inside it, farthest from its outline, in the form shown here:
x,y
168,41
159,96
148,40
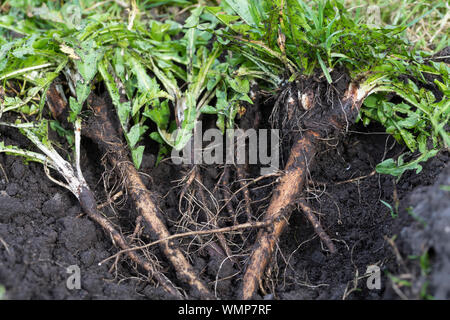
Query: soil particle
x,y
318,258
12,189
9,208
18,169
55,206
78,233
88,257
41,234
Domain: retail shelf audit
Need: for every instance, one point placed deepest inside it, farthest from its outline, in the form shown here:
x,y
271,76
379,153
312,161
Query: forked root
x,y
291,184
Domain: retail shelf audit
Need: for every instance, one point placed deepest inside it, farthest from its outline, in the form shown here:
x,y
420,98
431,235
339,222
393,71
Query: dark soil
x,y
43,231
360,224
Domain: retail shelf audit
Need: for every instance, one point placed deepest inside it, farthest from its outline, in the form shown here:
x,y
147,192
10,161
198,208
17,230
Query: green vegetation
x,y
170,76
425,270
291,39
165,64
427,20
137,55
392,210
2,292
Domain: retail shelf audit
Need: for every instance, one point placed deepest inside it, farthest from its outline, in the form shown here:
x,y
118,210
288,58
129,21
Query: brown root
x,y
211,217
88,204
239,227
291,184
226,191
317,226
58,107
247,199
102,131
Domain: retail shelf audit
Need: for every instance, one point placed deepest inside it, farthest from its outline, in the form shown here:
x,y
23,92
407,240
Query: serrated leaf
x,y
396,169
90,55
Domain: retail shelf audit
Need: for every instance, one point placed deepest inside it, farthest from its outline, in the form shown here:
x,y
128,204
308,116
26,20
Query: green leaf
x,y
184,133
145,83
258,11
241,7
163,150
193,20
135,134
147,98
26,154
82,91
220,122
136,155
297,19
240,85
246,98
208,110
391,209
225,18
396,169
90,55
26,49
75,108
371,101
69,135
123,109
157,137
159,114
324,68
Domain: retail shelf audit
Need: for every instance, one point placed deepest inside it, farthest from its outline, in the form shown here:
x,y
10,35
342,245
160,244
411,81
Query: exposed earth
x,y
43,231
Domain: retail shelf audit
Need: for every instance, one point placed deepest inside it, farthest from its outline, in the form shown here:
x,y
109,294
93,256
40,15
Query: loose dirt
x,y
43,231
